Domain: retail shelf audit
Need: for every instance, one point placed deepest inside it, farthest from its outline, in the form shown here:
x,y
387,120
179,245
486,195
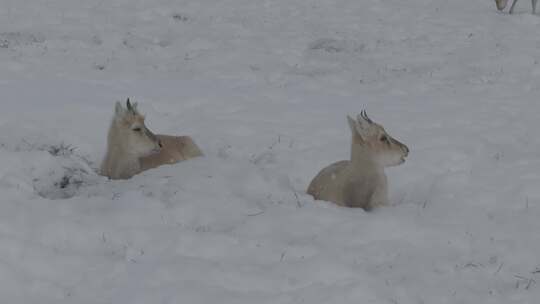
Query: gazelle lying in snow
x,y
133,148
360,182
501,4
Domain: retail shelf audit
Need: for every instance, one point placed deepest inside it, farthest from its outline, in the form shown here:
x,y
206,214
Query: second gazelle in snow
x,y
133,148
360,181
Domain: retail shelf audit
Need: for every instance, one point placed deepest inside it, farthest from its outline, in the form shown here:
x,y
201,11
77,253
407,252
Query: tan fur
x,y
174,149
133,148
361,181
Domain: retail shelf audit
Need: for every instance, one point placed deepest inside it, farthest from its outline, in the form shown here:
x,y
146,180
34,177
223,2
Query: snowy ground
x,y
264,87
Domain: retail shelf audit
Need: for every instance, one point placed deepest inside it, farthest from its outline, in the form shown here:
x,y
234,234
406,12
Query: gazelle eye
x,y
384,138
137,129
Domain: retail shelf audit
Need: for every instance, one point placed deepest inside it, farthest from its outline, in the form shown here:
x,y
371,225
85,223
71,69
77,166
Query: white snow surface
x,y
263,87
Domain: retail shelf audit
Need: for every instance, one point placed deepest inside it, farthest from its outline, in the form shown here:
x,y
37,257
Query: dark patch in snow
x,y
70,171
61,149
10,39
97,40
180,17
100,67
330,45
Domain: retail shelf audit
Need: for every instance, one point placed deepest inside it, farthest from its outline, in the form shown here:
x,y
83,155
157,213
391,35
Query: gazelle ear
x,y
352,125
356,130
119,111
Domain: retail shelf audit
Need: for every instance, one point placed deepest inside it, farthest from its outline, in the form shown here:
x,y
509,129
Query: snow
x,y
264,88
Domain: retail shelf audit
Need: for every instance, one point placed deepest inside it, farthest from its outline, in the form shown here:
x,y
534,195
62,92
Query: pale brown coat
x,y
133,148
361,181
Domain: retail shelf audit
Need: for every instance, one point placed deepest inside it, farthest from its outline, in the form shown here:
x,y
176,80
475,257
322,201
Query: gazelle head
x,y
371,137
501,4
131,133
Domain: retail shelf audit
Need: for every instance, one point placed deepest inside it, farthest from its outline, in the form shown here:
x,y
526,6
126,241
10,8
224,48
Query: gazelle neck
x,y
361,154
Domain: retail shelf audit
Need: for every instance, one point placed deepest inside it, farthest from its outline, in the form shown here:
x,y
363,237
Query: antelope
x,y
501,4
133,148
360,181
